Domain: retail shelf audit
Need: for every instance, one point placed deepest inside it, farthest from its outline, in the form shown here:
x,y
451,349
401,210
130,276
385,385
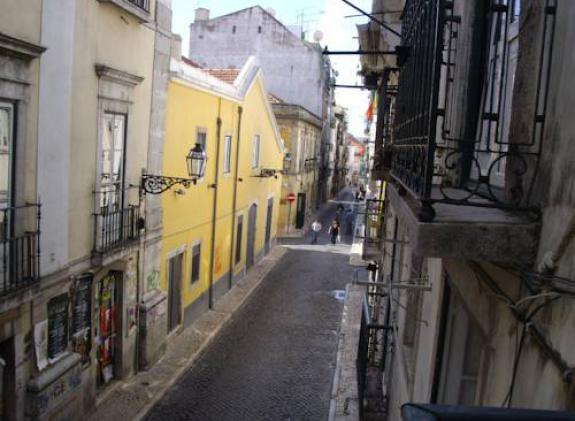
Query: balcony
x,y
116,229
464,181
19,247
373,228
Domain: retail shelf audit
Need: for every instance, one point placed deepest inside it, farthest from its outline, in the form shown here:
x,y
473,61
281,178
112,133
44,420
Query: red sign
x,y
291,197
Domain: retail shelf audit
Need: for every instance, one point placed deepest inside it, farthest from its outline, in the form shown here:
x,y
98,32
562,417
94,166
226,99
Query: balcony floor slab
x,y
468,232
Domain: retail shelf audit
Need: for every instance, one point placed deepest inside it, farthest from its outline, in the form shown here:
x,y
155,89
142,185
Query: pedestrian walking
x,y
315,229
334,231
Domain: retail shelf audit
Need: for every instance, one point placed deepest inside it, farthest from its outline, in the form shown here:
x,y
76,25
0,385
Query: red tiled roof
x,y
227,75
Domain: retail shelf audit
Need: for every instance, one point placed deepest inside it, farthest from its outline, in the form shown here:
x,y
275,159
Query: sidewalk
x,y
132,399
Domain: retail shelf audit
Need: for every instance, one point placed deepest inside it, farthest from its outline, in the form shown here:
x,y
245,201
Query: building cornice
x,y
118,76
20,48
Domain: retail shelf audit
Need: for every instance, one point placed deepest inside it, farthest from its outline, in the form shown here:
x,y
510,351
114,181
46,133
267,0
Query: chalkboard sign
x,y
57,325
81,305
81,317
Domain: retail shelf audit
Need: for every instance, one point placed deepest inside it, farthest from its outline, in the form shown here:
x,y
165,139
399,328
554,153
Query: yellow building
x,y
218,228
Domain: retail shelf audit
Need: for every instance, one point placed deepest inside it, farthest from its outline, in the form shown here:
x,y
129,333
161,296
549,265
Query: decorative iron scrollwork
x,y
156,184
268,172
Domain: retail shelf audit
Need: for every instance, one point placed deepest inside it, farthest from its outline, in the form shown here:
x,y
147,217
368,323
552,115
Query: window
x,y
239,233
227,154
259,29
196,262
142,4
57,326
112,162
462,356
202,137
6,145
256,152
515,10
234,29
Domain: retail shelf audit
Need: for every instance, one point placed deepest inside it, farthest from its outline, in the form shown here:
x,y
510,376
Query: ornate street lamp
x,y
196,165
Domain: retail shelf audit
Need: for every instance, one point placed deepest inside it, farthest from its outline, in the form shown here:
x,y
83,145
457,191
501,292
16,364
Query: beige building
x,y
20,52
301,132
473,301
74,270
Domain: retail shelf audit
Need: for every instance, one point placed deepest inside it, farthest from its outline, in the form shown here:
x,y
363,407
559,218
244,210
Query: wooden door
x,y
175,265
252,220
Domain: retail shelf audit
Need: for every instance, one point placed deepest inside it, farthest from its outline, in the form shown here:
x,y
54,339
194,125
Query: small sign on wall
x,y
41,344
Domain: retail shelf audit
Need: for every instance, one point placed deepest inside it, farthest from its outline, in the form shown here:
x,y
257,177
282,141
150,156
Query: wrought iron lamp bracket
x,y
268,172
156,184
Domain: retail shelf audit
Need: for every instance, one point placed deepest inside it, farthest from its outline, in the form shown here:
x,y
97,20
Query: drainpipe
x,y
234,200
215,207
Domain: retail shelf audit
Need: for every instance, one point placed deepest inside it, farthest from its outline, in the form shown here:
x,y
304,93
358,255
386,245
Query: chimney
x,y
202,14
176,47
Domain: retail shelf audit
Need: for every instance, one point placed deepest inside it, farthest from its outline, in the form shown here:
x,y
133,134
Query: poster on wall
x,y
41,344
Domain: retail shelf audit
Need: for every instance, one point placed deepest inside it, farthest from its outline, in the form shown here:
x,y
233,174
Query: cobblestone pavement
x,y
275,359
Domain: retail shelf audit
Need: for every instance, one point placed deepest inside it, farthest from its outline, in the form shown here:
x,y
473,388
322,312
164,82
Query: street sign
x,y
291,197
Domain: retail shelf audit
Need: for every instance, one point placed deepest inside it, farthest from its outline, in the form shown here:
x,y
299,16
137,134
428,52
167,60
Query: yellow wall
x,y
188,218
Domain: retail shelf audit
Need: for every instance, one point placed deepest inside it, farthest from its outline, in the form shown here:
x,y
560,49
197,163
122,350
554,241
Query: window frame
x,y
202,131
119,202
193,267
227,161
256,145
11,108
239,239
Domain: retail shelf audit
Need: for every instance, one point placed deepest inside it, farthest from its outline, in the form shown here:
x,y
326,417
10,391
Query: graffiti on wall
x,y
218,265
153,280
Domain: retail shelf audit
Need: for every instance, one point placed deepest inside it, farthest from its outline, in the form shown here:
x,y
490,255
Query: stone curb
x,y
131,391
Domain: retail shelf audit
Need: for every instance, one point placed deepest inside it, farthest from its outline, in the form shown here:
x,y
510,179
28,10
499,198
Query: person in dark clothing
x,y
334,231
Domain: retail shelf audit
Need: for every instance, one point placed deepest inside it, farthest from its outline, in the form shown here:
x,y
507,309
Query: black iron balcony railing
x,y
142,4
116,229
19,247
372,342
373,223
440,153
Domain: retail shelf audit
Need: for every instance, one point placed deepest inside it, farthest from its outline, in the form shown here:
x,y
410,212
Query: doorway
x,y
252,220
269,224
300,215
175,266
109,325
8,374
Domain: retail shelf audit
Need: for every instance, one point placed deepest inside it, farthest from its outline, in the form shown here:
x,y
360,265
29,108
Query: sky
x,y
328,16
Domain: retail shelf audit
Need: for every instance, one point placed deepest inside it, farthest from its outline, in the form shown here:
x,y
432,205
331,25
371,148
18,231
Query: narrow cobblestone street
x,y
275,359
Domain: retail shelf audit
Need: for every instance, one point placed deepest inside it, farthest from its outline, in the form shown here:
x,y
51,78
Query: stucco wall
x,y
187,218
293,69
105,35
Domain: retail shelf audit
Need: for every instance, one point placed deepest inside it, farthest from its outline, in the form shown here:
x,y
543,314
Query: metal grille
x,y
142,4
432,157
417,96
116,229
373,223
19,247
